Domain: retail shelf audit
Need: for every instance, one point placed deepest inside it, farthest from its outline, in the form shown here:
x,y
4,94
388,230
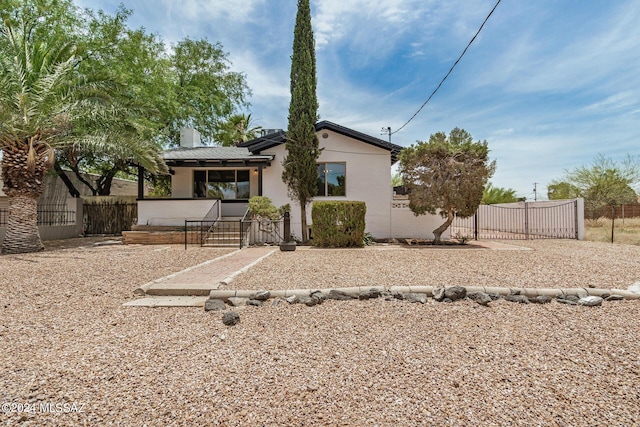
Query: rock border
x,y
588,297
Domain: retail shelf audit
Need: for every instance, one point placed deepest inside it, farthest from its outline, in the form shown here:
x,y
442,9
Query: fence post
x,y
186,233
575,216
240,231
475,225
287,227
526,221
613,220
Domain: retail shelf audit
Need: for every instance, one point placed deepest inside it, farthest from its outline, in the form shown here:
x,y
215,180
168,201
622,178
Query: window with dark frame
x,y
332,179
225,184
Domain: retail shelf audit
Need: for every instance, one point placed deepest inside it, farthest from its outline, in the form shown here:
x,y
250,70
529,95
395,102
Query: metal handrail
x,y
243,232
214,213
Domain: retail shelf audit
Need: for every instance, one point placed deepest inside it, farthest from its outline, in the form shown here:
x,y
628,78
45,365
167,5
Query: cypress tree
x,y
300,170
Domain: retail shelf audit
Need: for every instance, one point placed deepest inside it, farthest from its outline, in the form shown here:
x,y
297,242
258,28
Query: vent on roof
x,y
265,132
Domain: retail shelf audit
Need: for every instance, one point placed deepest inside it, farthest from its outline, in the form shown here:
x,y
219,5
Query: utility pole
x,y
387,131
535,191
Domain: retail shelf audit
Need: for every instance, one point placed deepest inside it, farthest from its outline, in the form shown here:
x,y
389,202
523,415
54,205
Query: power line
x,y
450,70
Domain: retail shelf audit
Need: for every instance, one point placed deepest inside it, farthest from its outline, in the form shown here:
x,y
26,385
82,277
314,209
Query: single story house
x,y
351,166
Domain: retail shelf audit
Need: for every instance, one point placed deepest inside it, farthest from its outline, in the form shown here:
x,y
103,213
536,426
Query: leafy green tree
x,y
300,171
205,92
605,182
48,104
164,90
446,175
560,190
492,195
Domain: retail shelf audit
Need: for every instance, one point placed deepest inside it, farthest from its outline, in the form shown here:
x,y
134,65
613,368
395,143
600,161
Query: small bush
x,y
263,207
338,224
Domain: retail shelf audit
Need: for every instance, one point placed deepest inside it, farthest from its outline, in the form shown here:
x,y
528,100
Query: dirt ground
x,y
73,355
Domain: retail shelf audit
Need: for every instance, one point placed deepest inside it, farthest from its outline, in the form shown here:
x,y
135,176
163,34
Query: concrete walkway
x,y
191,287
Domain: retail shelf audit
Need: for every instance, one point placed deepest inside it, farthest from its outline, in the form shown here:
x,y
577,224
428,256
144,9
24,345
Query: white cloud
x,y
619,101
562,62
234,10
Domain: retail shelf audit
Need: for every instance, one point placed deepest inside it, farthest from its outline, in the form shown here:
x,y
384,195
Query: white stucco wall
x,y
368,179
407,225
172,212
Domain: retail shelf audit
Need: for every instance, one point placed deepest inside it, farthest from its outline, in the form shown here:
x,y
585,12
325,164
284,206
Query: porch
x,y
203,222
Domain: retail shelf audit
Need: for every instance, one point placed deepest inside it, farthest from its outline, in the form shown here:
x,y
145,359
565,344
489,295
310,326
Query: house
x,y
351,166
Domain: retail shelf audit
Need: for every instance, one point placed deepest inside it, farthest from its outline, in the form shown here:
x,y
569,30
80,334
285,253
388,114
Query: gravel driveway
x,y
73,355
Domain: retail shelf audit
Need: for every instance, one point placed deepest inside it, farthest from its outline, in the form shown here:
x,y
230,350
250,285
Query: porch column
x,y
140,182
259,180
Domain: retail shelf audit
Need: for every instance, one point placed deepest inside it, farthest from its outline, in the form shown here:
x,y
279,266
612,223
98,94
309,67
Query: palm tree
x,y
238,128
46,104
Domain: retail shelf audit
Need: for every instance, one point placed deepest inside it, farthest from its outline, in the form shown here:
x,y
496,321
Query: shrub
x,y
263,207
338,224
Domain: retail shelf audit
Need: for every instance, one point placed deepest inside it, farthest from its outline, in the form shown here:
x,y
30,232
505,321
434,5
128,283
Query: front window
x,y
221,184
332,179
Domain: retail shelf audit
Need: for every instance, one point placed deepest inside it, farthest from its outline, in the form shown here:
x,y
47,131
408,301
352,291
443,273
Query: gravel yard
x,y
66,339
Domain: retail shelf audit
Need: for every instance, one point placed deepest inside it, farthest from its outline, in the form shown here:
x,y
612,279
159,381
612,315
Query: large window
x,y
332,179
221,184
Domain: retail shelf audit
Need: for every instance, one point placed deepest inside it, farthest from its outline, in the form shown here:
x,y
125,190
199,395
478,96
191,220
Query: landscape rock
x,y
371,293
566,301
339,295
237,301
635,288
614,297
494,296
567,297
262,295
522,299
590,301
438,294
541,299
416,297
255,302
455,293
292,299
230,318
308,301
276,302
480,297
398,295
319,296
214,304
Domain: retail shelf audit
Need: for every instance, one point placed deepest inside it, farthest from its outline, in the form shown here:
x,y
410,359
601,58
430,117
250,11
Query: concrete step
x,y
168,301
182,289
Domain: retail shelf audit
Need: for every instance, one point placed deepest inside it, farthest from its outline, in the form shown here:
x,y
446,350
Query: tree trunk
x,y
73,191
438,231
22,235
303,218
78,174
105,181
23,186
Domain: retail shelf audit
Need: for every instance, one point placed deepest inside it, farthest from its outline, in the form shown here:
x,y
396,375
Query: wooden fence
x,y
109,217
624,211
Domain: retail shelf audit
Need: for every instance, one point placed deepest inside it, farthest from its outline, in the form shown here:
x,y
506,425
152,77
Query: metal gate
x,y
521,221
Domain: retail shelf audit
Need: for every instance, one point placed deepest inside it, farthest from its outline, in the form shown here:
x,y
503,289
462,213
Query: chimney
x,y
189,138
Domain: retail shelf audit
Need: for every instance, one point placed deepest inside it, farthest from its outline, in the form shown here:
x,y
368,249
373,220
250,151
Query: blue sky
x,y
548,83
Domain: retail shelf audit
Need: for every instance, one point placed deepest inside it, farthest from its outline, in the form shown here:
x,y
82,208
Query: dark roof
x,y
185,155
273,139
